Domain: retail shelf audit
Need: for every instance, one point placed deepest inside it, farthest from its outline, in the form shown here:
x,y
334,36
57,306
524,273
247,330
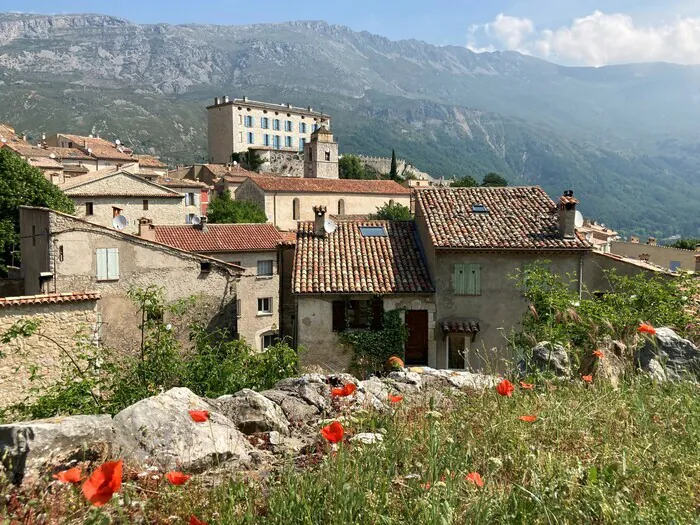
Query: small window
x,y
89,210
479,208
310,155
264,305
264,123
328,155
288,125
287,142
302,127
295,209
145,204
265,268
249,121
269,340
266,139
277,142
467,279
341,207
302,141
238,308
251,138
33,235
116,211
189,199
107,262
60,253
373,231
205,266
276,124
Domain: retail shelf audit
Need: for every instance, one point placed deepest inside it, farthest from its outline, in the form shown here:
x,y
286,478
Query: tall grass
x,y
594,455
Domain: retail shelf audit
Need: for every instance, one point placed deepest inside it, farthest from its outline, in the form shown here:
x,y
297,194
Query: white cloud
x,y
595,40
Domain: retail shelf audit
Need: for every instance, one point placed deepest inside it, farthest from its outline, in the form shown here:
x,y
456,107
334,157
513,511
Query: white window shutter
x,y
101,258
112,263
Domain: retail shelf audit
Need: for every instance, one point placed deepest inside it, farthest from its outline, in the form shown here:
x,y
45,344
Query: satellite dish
x,y
52,156
578,221
120,222
196,220
117,142
329,226
89,150
3,140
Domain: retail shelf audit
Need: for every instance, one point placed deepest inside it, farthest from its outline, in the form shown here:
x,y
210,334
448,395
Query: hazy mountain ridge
x,y
625,138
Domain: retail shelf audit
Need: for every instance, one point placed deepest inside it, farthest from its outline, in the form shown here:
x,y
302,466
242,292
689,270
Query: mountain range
x,y
624,138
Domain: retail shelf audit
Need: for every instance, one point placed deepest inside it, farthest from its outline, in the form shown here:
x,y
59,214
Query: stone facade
x,y
75,253
236,125
595,265
664,256
62,321
280,162
280,206
252,324
322,346
321,156
383,165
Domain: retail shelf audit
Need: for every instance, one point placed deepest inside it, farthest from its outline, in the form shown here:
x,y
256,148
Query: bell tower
x,y
321,155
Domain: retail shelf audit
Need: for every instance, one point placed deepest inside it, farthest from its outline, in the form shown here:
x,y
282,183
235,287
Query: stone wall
x,y
281,162
61,321
659,255
595,265
383,165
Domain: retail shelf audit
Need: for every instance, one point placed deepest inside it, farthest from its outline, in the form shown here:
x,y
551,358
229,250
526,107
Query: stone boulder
x,y
159,431
547,357
29,450
302,398
669,357
405,382
439,379
252,412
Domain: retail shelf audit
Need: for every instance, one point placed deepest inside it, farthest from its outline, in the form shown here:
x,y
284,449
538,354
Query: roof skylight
x,y
372,231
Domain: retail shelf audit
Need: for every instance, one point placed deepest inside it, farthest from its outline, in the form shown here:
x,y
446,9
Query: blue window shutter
x,y
112,263
101,258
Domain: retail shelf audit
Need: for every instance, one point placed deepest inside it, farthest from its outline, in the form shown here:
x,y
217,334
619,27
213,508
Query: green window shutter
x,y
112,263
459,279
101,258
473,279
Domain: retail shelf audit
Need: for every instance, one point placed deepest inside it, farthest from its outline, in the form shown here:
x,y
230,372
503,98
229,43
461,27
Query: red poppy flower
x,y
528,419
475,478
195,521
395,399
587,379
72,475
425,486
103,483
505,388
344,391
598,354
199,416
527,386
646,329
177,478
333,432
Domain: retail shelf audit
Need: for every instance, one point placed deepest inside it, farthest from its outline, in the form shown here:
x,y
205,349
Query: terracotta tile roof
x,y
288,237
74,297
148,161
45,162
170,182
224,169
345,261
29,150
220,237
459,326
520,217
79,186
99,148
7,132
299,185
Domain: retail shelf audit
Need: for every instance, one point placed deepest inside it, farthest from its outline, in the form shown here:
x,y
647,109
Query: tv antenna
x,y
329,226
578,219
120,222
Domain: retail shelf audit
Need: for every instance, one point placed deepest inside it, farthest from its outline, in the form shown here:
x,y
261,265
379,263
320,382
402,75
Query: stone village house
x,y
77,275
449,269
250,246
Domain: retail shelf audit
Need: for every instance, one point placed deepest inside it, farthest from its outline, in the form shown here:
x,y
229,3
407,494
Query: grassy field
x,y
593,455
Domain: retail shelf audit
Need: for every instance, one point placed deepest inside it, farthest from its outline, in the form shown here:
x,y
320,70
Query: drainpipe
x,y
580,277
274,209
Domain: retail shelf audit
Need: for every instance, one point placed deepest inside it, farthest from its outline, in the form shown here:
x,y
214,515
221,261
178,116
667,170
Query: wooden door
x,y
417,344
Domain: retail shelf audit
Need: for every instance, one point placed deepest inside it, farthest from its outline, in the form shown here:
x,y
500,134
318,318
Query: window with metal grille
x,y
467,279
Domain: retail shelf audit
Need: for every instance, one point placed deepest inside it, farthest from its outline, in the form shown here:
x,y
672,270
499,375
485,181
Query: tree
x,y
225,210
393,212
393,172
493,180
248,160
686,244
465,182
351,167
22,185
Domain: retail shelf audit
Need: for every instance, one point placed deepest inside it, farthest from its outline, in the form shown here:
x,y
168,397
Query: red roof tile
x,y
299,185
521,217
49,298
345,261
220,237
170,182
149,161
99,147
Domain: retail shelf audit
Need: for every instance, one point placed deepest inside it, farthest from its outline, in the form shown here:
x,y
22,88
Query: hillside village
x,y
320,264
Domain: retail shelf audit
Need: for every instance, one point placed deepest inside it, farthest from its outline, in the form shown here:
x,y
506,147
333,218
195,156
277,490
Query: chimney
x,y
644,257
697,263
310,108
567,215
216,101
146,229
652,241
202,226
319,221
634,240
245,98
289,104
225,99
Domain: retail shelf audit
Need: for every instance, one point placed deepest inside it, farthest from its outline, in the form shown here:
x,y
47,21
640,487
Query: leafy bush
x,y
225,210
111,381
393,212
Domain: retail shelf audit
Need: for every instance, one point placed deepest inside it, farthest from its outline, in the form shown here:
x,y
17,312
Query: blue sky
x,y
524,25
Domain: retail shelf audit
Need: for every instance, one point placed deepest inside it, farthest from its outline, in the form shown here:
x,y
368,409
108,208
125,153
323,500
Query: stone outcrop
x,y
546,356
159,431
28,449
668,357
252,412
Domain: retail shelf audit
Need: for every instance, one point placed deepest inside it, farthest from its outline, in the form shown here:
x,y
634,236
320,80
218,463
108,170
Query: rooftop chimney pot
x,y
651,241
319,221
146,229
567,215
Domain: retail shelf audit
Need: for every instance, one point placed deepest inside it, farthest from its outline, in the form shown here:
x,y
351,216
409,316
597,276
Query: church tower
x,y
321,155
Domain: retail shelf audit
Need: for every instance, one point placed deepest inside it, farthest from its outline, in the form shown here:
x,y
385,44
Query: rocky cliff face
x,y
446,110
